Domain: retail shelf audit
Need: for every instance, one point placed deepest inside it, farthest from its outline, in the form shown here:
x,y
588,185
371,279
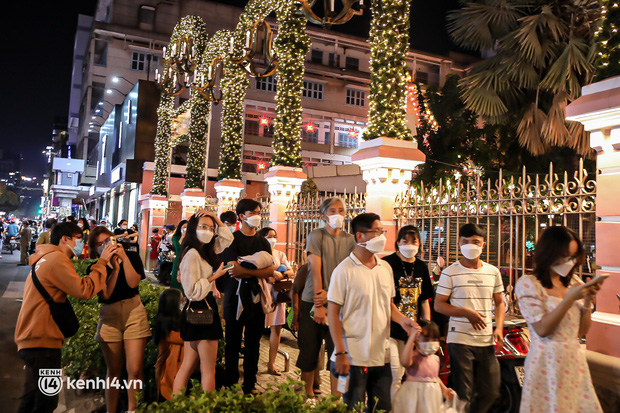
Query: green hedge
x,y
282,399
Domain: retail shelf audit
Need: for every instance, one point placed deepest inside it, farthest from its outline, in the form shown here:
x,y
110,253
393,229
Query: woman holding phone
x,y
206,237
557,307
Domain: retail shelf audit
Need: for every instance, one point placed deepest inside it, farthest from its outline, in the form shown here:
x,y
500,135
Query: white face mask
x,y
375,245
123,226
471,251
428,348
408,251
231,228
272,242
563,268
335,221
79,224
204,235
253,221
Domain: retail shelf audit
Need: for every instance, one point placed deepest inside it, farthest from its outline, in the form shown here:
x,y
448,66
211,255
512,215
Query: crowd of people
x,y
379,319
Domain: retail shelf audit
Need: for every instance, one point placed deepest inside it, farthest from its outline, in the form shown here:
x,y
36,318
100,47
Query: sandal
x,y
275,372
317,391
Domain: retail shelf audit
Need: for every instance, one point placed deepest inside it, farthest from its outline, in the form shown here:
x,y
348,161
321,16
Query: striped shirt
x,y
473,289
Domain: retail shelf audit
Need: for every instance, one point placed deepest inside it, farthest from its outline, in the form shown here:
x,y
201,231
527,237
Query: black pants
x,y
234,331
310,338
372,381
475,375
33,401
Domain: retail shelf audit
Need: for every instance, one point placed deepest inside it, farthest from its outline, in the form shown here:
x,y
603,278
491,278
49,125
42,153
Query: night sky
x,y
37,54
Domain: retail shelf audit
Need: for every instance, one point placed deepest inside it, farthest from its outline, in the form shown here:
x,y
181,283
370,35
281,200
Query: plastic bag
x,y
455,405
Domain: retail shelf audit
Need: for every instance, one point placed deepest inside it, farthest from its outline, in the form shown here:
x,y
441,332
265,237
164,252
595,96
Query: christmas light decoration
x,y
187,44
417,100
352,133
264,120
291,46
608,40
310,127
389,45
234,86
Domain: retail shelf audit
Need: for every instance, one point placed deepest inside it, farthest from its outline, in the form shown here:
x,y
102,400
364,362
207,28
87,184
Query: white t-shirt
x,y
365,296
473,289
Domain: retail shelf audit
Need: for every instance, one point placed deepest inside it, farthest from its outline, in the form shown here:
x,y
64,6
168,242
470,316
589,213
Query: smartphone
x,y
599,278
228,267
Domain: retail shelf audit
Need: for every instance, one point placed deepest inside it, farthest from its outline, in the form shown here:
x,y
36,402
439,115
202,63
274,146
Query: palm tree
x,y
542,53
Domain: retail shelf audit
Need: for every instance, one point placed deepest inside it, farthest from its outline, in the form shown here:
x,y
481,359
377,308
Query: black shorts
x,y
193,332
310,337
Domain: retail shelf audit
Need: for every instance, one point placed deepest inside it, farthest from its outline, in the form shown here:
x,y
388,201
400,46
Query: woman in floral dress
x,y
557,307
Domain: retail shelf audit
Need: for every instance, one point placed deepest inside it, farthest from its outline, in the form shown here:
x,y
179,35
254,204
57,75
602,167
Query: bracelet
x,y
341,353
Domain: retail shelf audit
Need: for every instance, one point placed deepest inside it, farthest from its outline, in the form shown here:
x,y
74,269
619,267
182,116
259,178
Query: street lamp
x,y
110,90
116,79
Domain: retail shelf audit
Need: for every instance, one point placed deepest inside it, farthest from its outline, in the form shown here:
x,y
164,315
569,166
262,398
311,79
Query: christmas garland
x,y
195,28
389,46
291,46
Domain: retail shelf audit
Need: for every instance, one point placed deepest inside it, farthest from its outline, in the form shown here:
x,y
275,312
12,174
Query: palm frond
x,y
529,130
477,26
566,72
579,138
484,101
522,72
554,130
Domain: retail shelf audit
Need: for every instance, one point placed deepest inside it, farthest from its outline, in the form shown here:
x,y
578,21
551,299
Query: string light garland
x,y
194,28
389,45
608,40
291,46
417,100
234,86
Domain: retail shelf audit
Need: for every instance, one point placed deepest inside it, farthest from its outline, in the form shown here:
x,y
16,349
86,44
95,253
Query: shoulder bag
x,y
62,313
202,316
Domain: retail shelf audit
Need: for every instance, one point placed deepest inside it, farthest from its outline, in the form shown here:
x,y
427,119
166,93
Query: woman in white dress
x,y
276,319
557,307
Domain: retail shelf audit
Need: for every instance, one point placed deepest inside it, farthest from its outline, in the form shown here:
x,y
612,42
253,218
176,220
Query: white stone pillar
x,y
228,192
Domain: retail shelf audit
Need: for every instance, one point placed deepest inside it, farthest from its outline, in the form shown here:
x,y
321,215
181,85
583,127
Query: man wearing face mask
x,y
38,338
360,309
466,293
249,324
326,248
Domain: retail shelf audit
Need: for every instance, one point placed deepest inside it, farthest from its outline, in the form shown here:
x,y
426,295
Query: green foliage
x,y
308,188
9,200
282,399
542,54
389,45
291,46
608,40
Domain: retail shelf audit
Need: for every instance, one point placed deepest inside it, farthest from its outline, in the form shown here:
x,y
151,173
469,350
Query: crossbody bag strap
x,y
35,280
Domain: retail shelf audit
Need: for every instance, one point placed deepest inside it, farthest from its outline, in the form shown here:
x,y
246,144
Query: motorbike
x,y
511,357
10,244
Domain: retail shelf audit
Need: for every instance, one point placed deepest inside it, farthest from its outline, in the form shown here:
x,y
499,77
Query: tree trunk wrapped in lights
x,y
291,46
194,28
234,86
389,45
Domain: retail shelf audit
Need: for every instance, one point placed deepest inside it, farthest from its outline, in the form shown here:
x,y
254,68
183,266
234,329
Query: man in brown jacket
x,y
38,338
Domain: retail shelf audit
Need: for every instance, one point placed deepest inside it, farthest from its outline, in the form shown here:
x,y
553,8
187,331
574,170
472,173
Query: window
x,y
268,84
101,53
313,90
316,56
312,137
351,63
143,62
334,60
356,97
251,127
268,130
146,17
345,140
421,77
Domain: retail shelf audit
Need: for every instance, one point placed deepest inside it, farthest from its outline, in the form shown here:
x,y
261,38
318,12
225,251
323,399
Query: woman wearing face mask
x,y
123,323
557,307
205,238
411,280
276,319
177,240
85,227
423,390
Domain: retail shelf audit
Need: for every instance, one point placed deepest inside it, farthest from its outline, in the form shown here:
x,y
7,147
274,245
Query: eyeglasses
x,y
206,227
104,242
377,232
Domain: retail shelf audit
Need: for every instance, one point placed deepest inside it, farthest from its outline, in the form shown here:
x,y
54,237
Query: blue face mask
x,y
79,247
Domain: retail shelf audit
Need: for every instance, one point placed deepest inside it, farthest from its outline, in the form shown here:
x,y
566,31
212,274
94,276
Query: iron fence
x,y
512,211
303,216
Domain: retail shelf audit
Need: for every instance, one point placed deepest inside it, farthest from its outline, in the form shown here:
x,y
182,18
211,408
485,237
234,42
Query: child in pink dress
x,y
423,391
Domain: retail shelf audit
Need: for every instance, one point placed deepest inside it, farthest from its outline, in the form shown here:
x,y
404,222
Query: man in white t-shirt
x,y
467,291
360,308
